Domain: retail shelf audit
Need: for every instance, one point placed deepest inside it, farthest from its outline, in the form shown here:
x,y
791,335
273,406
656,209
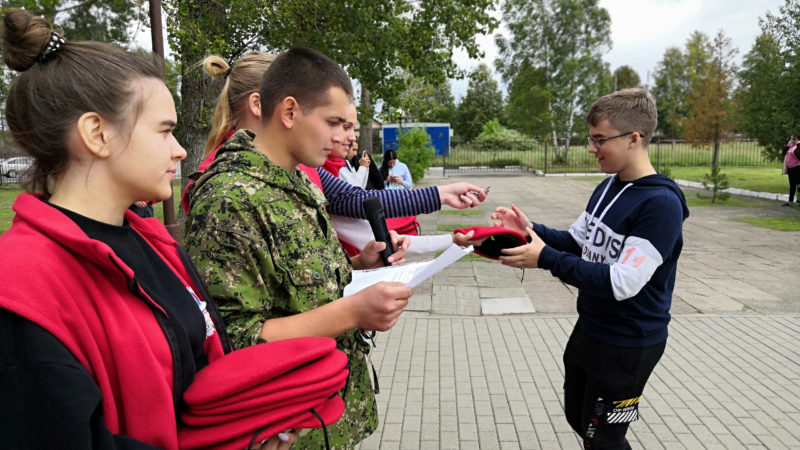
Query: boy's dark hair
x,y
304,74
48,96
626,110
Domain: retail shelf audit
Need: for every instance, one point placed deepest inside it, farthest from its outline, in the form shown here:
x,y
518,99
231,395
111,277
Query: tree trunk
x,y
365,139
198,95
573,103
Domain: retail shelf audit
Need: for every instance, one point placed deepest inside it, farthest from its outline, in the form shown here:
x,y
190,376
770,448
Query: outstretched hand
x,y
461,195
525,256
513,219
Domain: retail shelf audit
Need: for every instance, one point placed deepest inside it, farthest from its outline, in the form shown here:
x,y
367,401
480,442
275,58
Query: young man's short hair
x,y
626,110
304,74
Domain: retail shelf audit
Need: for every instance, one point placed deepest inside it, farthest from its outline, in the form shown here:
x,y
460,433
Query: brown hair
x,y
304,74
243,79
626,110
45,101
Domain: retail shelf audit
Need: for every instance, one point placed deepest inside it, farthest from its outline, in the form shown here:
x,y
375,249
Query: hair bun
x,y
23,37
215,66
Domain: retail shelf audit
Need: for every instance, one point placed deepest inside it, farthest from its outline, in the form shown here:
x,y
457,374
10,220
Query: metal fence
x,y
544,158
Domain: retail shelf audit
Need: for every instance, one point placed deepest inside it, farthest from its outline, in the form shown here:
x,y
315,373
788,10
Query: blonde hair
x,y
627,110
243,79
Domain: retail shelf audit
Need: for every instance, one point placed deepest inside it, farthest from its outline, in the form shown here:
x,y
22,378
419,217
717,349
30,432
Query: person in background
x,y
374,180
395,174
791,166
355,234
355,169
103,321
143,209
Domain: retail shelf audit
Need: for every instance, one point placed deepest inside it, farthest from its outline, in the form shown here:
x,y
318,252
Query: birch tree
x,y
566,39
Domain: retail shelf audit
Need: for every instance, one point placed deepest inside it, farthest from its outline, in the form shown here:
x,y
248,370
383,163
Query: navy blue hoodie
x,y
622,255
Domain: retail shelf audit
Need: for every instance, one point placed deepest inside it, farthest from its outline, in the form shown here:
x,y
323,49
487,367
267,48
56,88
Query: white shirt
x,y
357,178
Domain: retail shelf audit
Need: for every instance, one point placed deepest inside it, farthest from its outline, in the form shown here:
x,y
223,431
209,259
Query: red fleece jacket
x,y
78,290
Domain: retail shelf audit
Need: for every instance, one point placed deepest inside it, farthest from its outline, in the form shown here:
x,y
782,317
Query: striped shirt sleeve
x,y
346,200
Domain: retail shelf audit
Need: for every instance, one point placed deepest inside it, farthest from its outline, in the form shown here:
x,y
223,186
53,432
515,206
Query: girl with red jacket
x,y
103,320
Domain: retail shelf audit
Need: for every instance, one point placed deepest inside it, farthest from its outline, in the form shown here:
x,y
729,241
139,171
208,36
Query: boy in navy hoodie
x,y
621,254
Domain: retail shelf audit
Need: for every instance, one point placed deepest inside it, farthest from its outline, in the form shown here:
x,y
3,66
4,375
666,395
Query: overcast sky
x,y
642,30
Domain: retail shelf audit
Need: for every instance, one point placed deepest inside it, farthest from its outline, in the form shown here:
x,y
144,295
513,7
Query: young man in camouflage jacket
x,y
259,234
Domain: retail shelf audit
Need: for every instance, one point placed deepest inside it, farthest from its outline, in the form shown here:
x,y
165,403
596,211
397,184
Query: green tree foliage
x,y
716,182
379,42
625,77
565,39
767,97
669,91
676,77
425,102
709,102
527,109
495,137
482,103
416,151
113,21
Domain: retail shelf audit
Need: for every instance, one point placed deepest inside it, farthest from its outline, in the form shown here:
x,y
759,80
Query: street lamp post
x,y
400,114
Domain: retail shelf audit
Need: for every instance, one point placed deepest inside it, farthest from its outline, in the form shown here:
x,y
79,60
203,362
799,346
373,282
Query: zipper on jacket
x,y
161,318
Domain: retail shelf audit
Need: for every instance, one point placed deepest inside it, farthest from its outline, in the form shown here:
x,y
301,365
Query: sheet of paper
x,y
412,274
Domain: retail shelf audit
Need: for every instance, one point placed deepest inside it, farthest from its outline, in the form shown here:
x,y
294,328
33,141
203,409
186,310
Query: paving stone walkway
x,y
475,362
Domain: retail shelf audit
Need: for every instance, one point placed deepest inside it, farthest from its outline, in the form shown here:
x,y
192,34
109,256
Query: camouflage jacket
x,y
265,246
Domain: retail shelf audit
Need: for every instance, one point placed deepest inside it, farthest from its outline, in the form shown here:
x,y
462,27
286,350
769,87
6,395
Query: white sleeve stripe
x,y
578,230
637,262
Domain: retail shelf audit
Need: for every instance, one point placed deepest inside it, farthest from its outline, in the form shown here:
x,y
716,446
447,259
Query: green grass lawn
x,y
8,193
704,199
461,212
762,179
773,223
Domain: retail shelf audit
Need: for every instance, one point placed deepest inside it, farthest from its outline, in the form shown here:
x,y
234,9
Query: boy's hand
x,y
513,219
525,256
461,195
379,306
370,256
466,239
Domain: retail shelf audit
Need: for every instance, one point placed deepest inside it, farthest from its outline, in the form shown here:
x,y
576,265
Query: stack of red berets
x,y
264,389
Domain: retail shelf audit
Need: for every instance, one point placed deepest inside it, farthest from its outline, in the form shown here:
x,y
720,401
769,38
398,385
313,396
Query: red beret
x,y
251,366
258,405
238,434
266,388
310,377
498,239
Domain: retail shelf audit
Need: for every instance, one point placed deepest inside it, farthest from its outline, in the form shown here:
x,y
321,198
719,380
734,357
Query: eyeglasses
x,y
598,142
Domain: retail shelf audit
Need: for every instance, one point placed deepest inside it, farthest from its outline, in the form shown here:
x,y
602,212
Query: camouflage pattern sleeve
x,y
233,260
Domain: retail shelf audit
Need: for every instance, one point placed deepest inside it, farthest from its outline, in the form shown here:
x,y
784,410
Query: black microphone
x,y
373,211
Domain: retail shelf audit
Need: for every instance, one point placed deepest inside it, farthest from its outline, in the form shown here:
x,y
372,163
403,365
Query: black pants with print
x,y
602,387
